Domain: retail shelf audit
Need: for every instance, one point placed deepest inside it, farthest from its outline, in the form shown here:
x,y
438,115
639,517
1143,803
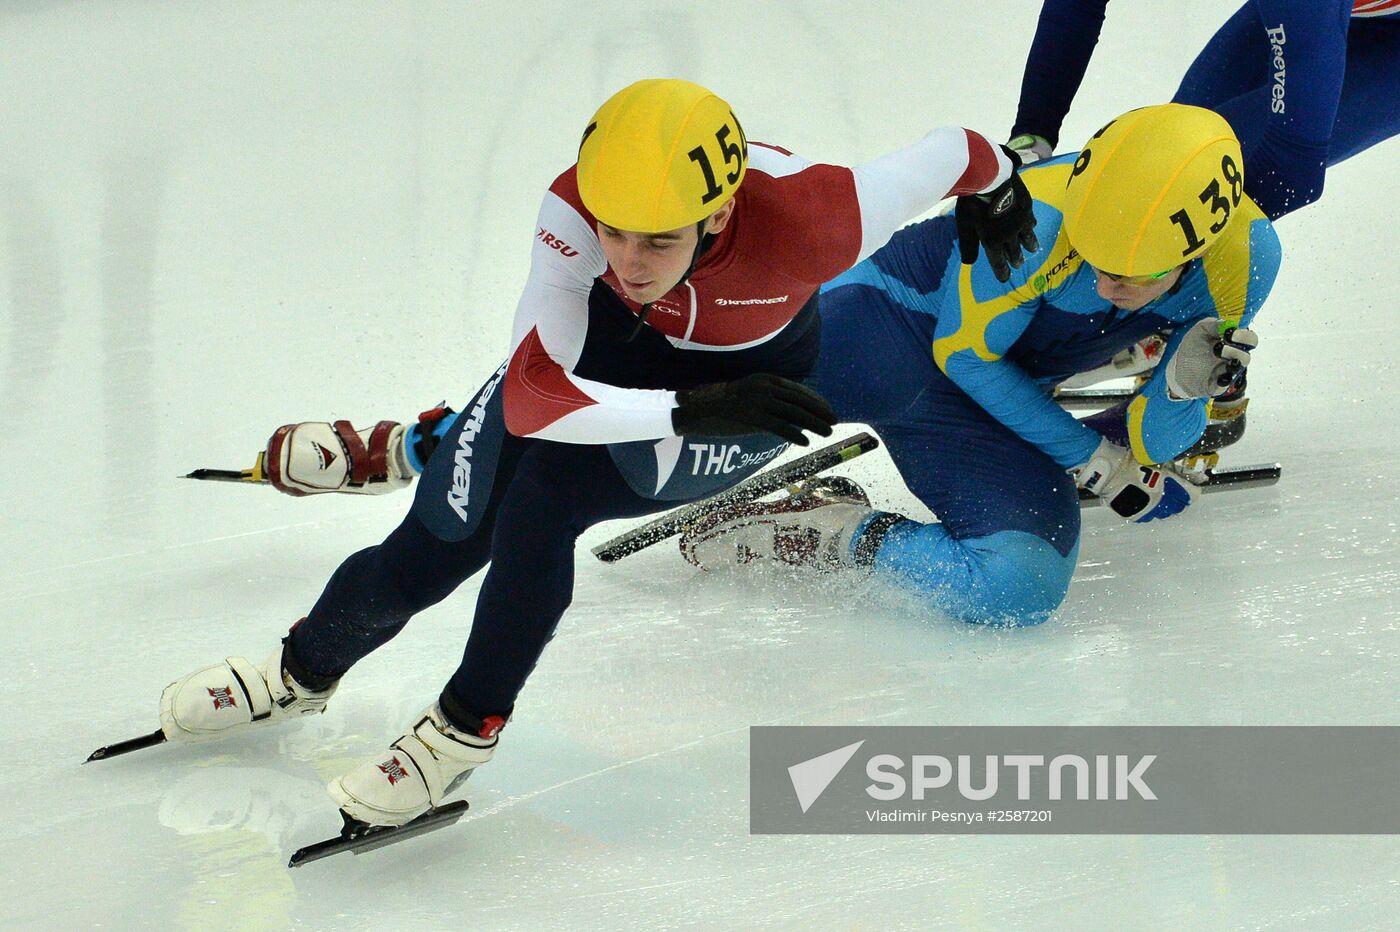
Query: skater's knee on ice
x,y
1008,578
1017,580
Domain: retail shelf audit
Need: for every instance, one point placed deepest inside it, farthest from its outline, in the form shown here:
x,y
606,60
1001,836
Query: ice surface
x,y
221,217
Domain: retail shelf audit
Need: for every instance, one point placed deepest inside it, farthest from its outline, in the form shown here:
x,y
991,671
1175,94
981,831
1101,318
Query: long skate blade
x,y
1077,398
429,821
1218,480
127,746
255,473
752,488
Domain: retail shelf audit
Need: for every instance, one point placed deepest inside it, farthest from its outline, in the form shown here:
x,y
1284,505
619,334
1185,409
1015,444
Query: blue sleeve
x,y
1064,42
972,336
1307,52
1161,428
415,433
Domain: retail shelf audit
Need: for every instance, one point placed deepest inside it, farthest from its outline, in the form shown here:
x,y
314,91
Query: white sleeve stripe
x,y
900,186
564,261
587,425
774,163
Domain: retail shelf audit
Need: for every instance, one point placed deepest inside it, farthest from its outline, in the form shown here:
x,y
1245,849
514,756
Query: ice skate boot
x,y
416,773
1137,360
229,696
812,526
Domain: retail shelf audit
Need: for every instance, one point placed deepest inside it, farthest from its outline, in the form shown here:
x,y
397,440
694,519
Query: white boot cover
x,y
415,774
228,696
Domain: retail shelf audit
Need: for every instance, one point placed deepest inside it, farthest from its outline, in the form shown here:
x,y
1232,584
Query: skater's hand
x,y
1001,221
758,403
1209,360
1136,492
314,457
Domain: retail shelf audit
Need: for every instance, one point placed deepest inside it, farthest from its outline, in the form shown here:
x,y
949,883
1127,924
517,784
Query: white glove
x,y
1207,362
1031,148
1136,492
314,457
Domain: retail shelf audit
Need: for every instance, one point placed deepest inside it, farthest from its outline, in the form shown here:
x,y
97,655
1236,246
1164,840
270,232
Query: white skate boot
x,y
417,771
1137,360
232,695
811,527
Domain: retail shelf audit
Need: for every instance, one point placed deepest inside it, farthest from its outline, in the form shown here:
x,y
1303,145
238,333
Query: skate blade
x,y
127,746
359,838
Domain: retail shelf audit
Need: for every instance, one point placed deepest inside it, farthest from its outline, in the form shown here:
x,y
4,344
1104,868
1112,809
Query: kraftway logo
x,y
1115,777
736,302
459,494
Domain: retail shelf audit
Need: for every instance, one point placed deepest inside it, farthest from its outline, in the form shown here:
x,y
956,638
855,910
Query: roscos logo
x,y
1276,43
325,456
554,242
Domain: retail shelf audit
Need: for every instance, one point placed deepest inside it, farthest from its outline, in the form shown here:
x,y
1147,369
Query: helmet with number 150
x,y
1153,189
659,155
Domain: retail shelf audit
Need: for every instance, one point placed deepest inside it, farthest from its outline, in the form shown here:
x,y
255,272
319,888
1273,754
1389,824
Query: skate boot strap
x,y
285,689
250,680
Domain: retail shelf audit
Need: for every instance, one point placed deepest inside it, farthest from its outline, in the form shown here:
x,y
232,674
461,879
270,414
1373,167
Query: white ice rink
x,y
219,217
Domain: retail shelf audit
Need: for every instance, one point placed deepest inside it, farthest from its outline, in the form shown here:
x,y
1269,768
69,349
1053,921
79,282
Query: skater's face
x,y
1133,294
648,265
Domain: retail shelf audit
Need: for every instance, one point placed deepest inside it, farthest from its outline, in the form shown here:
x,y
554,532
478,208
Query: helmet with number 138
x,y
1153,189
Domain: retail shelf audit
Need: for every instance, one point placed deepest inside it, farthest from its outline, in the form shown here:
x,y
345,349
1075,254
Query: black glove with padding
x,y
758,403
1002,222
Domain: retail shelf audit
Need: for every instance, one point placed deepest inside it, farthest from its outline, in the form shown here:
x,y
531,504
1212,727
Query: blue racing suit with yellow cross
x,y
955,370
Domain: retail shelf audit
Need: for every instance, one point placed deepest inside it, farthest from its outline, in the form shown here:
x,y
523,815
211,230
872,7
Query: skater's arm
x,y
1238,274
1064,42
542,396
973,334
899,186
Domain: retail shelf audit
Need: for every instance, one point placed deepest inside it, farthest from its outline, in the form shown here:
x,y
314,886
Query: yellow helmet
x,y
1153,189
661,154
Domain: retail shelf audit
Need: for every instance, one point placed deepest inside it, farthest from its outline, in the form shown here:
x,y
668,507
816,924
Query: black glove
x,y
758,403
1001,221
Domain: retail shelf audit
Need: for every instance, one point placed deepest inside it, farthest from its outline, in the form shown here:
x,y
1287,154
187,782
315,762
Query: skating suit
x,y
954,370
574,427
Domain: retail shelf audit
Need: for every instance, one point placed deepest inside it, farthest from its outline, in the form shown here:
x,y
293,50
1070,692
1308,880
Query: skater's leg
x,y
559,491
445,539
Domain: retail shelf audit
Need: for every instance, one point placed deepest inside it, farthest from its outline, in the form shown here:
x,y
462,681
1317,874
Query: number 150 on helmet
x,y
659,155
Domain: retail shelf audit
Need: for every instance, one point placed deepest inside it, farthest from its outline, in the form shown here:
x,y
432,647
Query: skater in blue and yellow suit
x,y
1145,230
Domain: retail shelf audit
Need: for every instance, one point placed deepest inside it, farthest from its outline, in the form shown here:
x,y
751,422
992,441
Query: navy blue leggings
x,y
545,495
1345,103
520,505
